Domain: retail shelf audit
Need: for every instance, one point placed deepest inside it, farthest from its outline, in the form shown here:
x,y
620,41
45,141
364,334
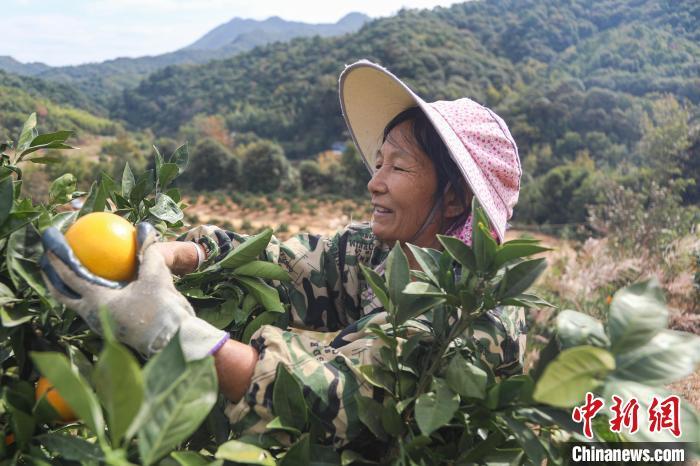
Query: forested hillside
x,y
59,106
101,81
597,95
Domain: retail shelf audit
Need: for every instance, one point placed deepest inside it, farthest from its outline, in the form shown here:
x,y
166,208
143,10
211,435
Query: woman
x,y
427,162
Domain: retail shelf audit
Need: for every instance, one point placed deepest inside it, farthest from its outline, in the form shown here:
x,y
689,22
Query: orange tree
x,y
442,405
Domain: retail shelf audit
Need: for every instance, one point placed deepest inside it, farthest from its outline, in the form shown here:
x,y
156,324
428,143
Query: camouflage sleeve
x,y
500,337
330,378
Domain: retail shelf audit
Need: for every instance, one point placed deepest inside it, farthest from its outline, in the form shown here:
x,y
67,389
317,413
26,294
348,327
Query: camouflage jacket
x,y
331,306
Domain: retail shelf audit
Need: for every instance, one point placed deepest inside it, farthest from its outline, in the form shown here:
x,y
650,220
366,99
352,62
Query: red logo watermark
x,y
663,414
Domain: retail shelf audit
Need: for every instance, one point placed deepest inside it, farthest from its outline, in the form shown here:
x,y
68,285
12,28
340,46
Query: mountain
x,y
100,81
11,65
552,68
273,29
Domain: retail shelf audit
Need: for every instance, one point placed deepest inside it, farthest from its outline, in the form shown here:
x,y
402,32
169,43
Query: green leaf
x,y
71,447
413,307
119,385
482,242
526,300
192,458
266,295
28,133
397,276
277,424
459,251
288,400
248,251
423,289
48,138
46,160
96,200
521,277
379,377
72,387
265,270
13,318
167,173
109,184
370,414
573,372
143,187
516,389
240,452
529,442
391,419
180,158
668,357
23,424
158,160
266,318
17,220
171,416
62,188
576,329
466,379
637,313
435,409
6,198
377,284
221,315
299,453
52,145
128,180
513,250
166,209
426,262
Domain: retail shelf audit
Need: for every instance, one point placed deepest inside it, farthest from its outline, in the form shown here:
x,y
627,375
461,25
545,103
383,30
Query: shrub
x,y
217,167
266,169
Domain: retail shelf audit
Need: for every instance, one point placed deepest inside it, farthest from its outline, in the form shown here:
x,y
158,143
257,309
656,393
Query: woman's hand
x,y
147,312
215,241
181,257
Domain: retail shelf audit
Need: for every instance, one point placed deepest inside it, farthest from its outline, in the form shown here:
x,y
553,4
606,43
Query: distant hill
x,y
253,32
11,65
58,106
553,68
102,80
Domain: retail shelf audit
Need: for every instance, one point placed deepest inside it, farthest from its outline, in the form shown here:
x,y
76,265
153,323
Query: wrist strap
x,y
200,254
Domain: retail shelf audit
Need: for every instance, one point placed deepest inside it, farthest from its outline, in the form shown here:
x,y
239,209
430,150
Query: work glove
x,y
147,312
215,241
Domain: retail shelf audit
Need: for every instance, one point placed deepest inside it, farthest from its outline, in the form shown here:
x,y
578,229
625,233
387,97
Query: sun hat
x,y
477,139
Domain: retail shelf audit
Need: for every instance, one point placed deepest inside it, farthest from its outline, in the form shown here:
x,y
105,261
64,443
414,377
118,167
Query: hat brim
x,y
371,96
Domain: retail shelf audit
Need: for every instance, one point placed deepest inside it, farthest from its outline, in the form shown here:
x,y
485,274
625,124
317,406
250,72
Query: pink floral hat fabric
x,y
478,140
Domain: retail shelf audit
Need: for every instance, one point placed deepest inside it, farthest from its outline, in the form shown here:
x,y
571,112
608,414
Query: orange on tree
x,y
105,243
9,439
55,400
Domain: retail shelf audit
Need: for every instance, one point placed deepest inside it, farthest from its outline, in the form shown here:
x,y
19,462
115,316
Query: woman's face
x,y
403,189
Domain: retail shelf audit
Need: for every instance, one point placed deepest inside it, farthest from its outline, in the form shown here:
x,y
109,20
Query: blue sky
x,y
69,32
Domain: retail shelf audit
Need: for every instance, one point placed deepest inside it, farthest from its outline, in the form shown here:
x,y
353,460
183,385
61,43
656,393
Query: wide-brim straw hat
x,y
477,139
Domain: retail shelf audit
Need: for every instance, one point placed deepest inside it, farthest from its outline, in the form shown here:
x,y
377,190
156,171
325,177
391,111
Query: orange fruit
x,y
9,439
55,400
105,243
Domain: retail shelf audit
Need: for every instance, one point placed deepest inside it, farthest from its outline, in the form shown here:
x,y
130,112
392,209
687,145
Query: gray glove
x,y
216,242
147,312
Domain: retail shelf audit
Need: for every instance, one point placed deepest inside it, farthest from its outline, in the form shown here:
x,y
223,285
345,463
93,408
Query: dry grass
x,y
324,217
